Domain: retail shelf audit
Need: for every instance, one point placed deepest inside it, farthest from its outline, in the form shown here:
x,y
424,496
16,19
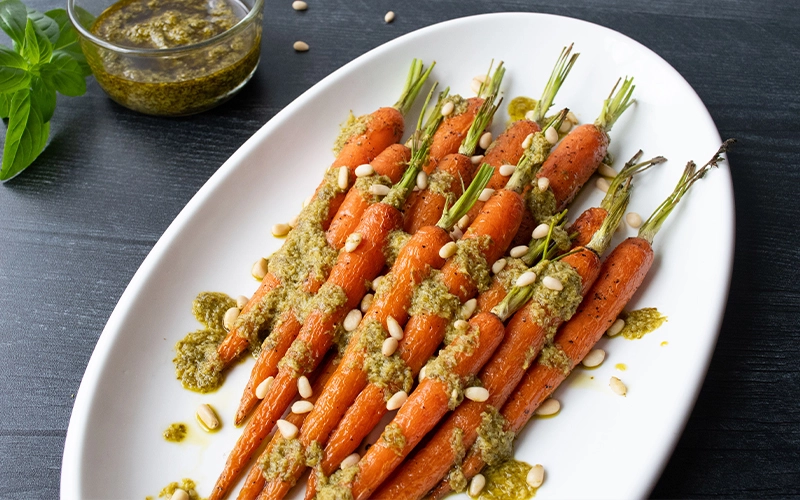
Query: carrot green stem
x,y
560,71
630,169
460,208
517,297
534,155
492,84
414,81
482,120
540,248
691,174
616,209
616,104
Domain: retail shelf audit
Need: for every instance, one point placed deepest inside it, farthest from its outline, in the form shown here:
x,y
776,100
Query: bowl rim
x,y
254,11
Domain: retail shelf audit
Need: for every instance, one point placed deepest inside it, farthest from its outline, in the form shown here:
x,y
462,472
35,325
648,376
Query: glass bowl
x,y
163,75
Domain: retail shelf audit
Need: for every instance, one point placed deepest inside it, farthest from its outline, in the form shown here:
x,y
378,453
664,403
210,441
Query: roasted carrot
x,y
414,263
376,132
342,291
620,276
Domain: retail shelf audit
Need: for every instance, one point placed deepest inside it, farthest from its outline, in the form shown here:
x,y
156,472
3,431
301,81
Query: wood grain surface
x,y
78,223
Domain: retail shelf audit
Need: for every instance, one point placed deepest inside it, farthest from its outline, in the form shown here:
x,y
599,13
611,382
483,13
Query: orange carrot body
x,y
451,133
620,275
233,344
425,407
586,225
426,207
351,272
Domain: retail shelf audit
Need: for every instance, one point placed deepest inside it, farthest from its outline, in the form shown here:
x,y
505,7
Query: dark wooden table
x,y
75,227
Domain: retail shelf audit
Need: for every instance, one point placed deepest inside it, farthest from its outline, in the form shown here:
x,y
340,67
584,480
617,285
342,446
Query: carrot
x,y
414,263
342,291
381,129
620,276
428,403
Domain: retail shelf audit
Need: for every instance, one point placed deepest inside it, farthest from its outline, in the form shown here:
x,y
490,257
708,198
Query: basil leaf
x,y
13,17
5,105
36,47
26,135
63,74
66,33
68,42
43,98
13,71
46,26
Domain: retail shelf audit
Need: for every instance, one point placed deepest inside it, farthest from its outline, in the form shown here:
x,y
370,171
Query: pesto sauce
x,y
553,357
440,182
390,373
641,322
470,260
394,245
507,481
518,107
541,204
511,271
298,358
563,303
493,443
431,297
176,432
441,367
460,104
284,455
178,85
456,477
337,487
394,438
186,485
363,185
352,127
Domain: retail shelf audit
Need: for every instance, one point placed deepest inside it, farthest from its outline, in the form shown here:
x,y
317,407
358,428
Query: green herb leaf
x,y
13,71
66,33
63,74
26,135
47,26
5,105
43,98
13,16
36,47
67,41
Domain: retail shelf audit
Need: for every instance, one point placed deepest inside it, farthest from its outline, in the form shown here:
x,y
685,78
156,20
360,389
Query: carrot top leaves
x,y
616,104
560,71
616,209
541,248
460,208
491,86
630,169
414,81
691,174
482,120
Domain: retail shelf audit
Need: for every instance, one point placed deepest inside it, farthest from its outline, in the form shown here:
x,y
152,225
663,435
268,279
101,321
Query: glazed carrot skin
x,y
351,272
451,133
233,344
392,163
621,274
254,482
523,339
425,207
425,407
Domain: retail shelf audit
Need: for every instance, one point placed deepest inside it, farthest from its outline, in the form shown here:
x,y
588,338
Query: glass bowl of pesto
x,y
169,57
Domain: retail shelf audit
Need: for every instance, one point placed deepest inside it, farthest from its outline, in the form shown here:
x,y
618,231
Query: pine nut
x,y
229,318
486,194
602,185
525,279
302,406
468,309
241,301
616,327
633,219
263,387
530,115
552,283
287,429
618,386
507,169
379,189
572,118
548,407
422,373
281,229
366,302
460,324
364,170
476,160
260,269
543,183
179,494
594,358
377,282
551,135
475,86
352,320
304,387
448,250
352,242
456,233
526,143
389,346
397,400
300,46
535,476
350,460
293,221
476,485
498,265
463,222
344,177
565,126
389,17
478,394
395,330
208,417
485,140
606,170
540,231
448,108
518,252
307,201
299,5
422,180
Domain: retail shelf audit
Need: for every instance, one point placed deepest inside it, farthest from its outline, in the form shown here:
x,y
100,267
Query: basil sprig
x,y
46,58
